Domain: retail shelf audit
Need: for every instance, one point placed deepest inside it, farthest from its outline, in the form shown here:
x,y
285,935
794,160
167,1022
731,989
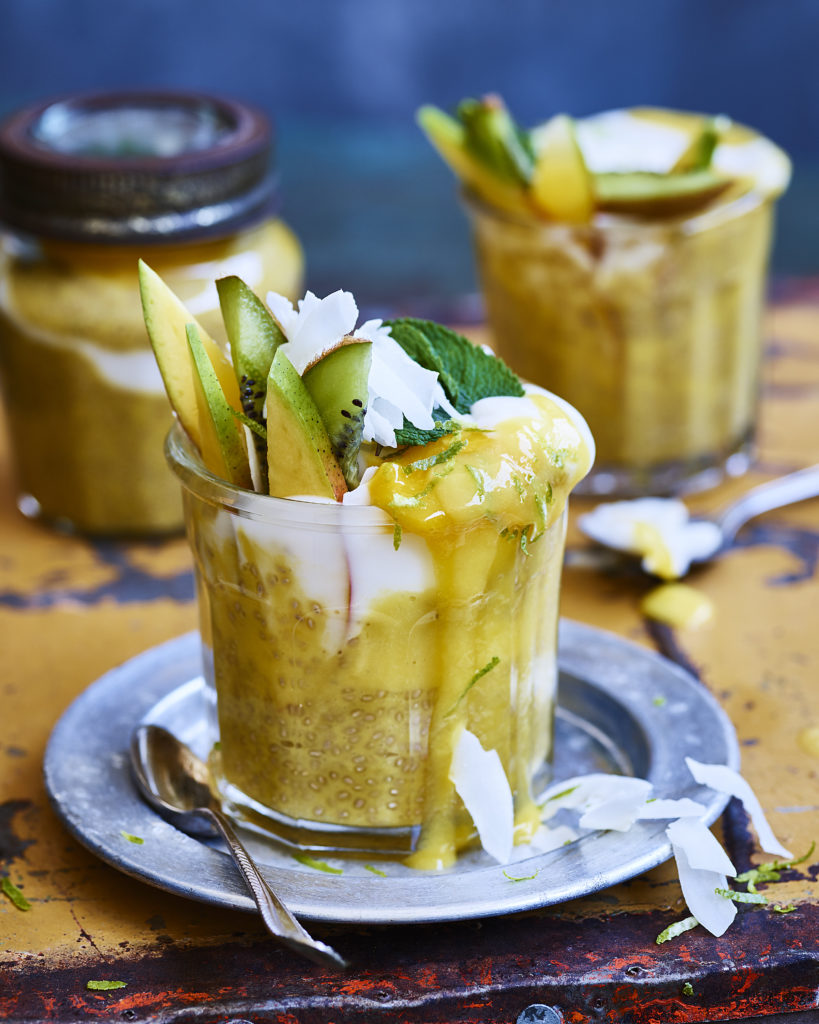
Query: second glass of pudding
x,y
646,314
349,648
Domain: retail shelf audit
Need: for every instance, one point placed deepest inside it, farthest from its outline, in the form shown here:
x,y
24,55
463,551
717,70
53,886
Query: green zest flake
x,y
397,533
524,541
137,840
319,865
376,871
14,894
560,795
741,897
688,989
658,702
779,909
258,428
413,501
771,872
436,460
517,483
477,476
523,878
104,986
478,675
542,502
673,930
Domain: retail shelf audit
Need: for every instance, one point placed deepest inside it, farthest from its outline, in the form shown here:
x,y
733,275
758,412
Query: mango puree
x,y
342,714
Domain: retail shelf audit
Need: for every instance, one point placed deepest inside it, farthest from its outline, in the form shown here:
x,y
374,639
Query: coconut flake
x,y
481,783
318,325
547,839
659,529
701,866
725,780
604,801
683,808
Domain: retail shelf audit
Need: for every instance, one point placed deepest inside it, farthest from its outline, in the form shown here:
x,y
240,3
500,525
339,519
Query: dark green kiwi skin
x,y
254,337
337,383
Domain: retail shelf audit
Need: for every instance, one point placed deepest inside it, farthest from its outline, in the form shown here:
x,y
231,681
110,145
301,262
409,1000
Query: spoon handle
x,y
784,491
277,918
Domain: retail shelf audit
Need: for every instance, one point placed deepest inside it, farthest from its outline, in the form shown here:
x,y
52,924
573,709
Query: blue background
x,y
342,79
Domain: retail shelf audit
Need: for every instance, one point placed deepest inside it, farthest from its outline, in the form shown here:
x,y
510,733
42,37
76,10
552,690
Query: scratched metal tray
x,y
620,709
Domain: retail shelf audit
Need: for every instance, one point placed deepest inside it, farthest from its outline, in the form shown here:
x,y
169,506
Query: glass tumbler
x,y
650,328
345,665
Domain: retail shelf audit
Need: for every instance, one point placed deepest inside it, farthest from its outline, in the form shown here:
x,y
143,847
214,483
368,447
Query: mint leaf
x,y
467,373
410,435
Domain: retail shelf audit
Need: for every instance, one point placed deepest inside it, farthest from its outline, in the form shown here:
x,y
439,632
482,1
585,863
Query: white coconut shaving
x,y
481,783
725,780
659,529
667,809
397,386
702,866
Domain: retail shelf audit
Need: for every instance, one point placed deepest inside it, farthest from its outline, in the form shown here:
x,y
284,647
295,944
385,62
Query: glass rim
x,y
186,463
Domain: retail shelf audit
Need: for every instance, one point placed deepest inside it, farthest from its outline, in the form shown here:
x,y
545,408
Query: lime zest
x,y
478,675
558,796
522,878
658,702
17,898
397,533
741,897
779,908
105,986
477,476
675,929
688,989
771,872
136,840
375,870
436,460
319,865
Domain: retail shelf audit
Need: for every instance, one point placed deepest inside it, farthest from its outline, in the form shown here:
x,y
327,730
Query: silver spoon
x,y
707,536
176,783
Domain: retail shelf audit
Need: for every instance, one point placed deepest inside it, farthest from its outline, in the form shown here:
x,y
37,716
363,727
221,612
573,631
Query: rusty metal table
x,y
71,609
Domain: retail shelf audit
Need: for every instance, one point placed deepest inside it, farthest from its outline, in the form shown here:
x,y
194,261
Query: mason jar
x,y
344,666
88,185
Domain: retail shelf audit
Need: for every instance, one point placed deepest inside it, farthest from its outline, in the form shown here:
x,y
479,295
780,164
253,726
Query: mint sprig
x,y
467,373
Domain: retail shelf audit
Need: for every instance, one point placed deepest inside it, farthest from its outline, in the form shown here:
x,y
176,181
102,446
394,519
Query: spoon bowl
x,y
176,783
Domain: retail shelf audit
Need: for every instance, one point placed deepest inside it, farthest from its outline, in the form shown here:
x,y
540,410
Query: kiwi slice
x,y
645,194
300,459
337,383
254,337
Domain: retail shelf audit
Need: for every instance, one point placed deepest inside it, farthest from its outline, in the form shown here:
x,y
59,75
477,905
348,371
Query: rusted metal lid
x,y
129,166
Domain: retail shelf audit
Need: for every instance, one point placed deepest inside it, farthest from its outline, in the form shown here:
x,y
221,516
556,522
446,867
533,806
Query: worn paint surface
x,y
70,610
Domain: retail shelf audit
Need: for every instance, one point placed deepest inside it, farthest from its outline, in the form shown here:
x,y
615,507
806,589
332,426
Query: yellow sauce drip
x,y
357,728
677,604
657,559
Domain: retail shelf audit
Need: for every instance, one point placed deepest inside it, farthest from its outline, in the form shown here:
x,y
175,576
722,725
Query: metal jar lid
x,y
128,166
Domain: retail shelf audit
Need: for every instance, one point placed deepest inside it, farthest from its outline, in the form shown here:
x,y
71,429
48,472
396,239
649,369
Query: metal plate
x,y
621,708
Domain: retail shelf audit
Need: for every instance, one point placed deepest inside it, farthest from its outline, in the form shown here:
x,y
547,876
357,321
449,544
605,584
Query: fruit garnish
x,y
561,184
300,459
338,384
546,172
448,136
254,337
645,194
221,436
